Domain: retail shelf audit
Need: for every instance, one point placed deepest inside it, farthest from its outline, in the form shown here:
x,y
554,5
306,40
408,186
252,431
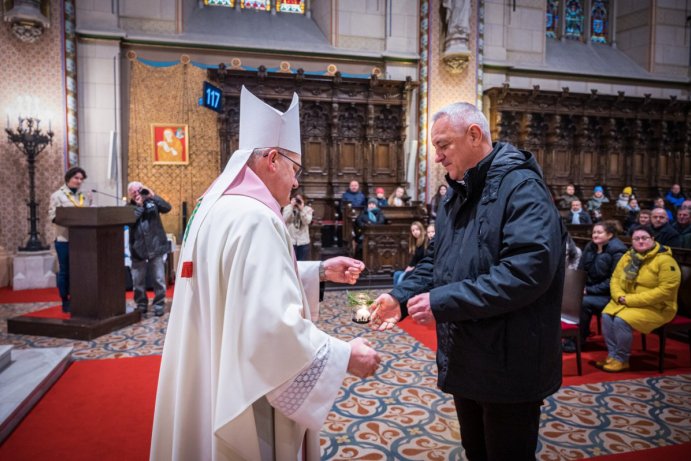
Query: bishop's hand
x,y
364,360
342,269
386,312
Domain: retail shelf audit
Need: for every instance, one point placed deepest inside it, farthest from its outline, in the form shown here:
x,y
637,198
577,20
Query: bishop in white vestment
x,y
245,374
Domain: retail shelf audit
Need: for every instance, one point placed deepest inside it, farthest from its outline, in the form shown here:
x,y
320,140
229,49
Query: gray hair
x,y
134,184
462,115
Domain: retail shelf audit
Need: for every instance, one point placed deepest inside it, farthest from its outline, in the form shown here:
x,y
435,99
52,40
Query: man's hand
x,y
364,360
342,269
386,312
420,310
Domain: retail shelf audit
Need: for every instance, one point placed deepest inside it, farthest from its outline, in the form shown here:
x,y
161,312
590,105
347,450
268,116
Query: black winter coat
x,y
495,274
147,236
600,266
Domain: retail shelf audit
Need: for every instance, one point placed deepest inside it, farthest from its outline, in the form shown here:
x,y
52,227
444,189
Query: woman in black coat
x,y
600,257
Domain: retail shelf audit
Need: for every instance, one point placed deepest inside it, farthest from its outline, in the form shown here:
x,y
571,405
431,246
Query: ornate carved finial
x,y
564,91
261,72
593,94
26,20
456,62
620,95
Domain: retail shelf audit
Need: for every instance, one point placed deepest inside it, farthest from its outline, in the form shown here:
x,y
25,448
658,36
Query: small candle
x,y
362,315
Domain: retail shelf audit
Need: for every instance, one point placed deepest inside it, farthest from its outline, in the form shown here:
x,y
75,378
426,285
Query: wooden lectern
x,y
97,276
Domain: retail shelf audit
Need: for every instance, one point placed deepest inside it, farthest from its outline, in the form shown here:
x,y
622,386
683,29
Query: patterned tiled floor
x,y
400,414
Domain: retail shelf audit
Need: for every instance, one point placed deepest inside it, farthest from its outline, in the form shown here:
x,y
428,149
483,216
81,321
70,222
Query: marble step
x,y
28,377
5,356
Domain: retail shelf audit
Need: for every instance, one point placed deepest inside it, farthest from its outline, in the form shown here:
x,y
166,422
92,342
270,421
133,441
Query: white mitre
x,y
263,126
260,126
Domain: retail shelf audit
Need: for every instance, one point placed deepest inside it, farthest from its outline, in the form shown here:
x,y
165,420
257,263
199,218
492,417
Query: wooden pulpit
x,y
97,276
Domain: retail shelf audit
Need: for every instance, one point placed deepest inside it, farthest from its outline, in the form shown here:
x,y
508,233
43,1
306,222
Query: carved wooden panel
x,y
591,139
351,129
385,248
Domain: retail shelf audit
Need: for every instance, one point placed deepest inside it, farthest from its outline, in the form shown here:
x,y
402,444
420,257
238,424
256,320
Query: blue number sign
x,y
212,97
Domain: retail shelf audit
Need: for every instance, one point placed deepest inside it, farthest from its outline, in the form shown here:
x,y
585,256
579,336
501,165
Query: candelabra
x,y
29,139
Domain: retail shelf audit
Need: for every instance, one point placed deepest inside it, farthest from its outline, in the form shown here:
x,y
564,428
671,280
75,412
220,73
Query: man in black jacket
x,y
149,245
492,280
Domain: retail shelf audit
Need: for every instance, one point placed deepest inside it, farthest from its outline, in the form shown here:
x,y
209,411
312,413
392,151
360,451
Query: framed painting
x,y
170,144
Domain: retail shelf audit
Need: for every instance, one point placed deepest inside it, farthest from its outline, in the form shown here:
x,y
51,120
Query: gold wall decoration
x,y
170,94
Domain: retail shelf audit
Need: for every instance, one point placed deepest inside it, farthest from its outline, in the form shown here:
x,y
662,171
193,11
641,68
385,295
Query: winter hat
x,y
628,190
379,190
598,189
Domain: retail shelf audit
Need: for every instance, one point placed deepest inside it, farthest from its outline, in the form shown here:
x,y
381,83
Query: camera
x,y
298,201
144,192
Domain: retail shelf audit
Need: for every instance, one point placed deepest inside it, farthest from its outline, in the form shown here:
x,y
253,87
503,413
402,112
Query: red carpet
x,y
98,410
643,364
53,312
45,295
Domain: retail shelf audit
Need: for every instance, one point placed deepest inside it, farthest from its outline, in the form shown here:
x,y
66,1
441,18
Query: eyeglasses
x,y
298,172
641,239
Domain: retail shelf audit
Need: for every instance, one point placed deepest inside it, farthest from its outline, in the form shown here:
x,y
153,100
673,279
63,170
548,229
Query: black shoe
x,y
142,309
568,345
159,312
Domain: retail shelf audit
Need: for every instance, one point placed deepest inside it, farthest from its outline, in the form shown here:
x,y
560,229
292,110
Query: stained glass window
x,y
599,21
552,19
262,5
573,16
228,3
290,6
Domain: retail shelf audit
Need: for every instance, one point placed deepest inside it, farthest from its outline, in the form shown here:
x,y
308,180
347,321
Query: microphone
x,y
124,199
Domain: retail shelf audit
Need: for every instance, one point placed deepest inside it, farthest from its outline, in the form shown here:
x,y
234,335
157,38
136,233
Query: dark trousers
x,y
498,431
63,278
591,305
302,252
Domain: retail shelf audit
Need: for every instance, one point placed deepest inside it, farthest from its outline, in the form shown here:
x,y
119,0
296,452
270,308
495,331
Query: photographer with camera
x,y
148,245
298,216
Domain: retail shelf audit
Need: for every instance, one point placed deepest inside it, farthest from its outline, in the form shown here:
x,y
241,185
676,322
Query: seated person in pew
x,y
683,222
663,231
642,219
599,259
381,199
397,197
370,215
578,215
416,249
596,201
659,202
353,195
644,289
632,209
431,232
568,197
